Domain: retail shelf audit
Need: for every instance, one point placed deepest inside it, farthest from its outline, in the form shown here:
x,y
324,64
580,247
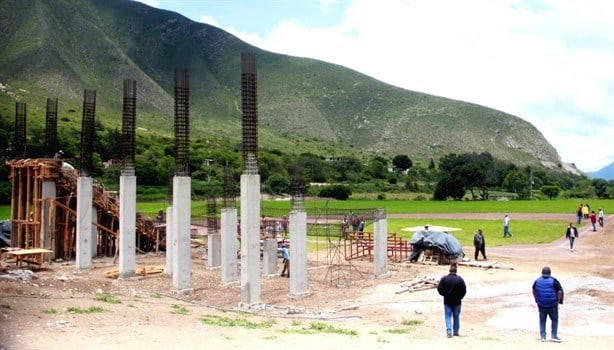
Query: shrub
x,y
340,192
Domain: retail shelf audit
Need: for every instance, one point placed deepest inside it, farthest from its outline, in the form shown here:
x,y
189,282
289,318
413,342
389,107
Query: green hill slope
x,y
59,48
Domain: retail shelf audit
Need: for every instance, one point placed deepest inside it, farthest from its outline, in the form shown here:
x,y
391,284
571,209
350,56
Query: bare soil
x,y
498,311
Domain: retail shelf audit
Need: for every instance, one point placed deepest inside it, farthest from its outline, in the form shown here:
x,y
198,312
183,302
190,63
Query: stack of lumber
x,y
139,271
417,284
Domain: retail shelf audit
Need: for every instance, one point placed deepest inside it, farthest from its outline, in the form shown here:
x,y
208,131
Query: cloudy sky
x,y
549,62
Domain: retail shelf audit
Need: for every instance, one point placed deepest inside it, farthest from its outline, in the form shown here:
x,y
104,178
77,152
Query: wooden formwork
x,y
360,245
40,220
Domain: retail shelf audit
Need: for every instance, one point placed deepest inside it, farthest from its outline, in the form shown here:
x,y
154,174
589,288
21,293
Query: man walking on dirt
x,y
548,294
480,244
453,289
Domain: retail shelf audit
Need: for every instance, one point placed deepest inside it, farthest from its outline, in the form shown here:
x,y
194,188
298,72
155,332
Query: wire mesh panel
x,y
128,127
51,128
182,122
86,165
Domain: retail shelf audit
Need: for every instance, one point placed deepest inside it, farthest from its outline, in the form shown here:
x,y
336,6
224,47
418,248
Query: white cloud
x,y
550,65
208,19
152,3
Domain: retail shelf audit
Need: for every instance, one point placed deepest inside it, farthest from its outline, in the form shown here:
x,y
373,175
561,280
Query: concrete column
x,y
214,250
47,233
250,239
84,223
380,245
168,269
299,285
127,226
269,257
229,245
182,255
94,232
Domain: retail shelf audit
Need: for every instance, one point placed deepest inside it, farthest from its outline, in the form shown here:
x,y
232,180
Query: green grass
x,y
211,320
179,310
107,298
90,310
523,231
320,327
51,311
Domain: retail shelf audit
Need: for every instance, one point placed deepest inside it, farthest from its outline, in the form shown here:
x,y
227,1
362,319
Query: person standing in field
x,y
506,226
453,289
480,244
571,234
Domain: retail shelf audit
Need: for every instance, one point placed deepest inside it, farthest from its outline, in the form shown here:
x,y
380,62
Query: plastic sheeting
x,y
5,233
447,243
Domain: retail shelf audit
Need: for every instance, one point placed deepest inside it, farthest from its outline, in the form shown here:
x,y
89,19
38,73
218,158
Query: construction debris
x,y
140,271
485,264
417,284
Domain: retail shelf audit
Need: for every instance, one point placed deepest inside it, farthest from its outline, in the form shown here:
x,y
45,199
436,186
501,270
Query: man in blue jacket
x,y
453,289
548,295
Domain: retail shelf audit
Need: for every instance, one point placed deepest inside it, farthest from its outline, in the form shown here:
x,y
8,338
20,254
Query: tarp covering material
x,y
431,228
5,233
447,243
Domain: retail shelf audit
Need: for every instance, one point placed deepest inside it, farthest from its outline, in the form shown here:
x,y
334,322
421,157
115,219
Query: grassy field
x,y
524,231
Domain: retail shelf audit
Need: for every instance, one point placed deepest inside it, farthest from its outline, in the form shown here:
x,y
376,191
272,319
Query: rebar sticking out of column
x,y
20,131
86,165
212,222
51,128
298,190
250,113
182,122
229,192
128,127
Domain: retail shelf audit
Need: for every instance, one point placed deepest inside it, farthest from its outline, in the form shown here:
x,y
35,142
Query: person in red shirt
x,y
593,218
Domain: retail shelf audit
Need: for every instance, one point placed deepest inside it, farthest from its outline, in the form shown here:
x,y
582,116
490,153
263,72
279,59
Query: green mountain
x,y
59,48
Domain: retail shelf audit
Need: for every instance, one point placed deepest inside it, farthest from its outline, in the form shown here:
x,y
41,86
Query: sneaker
x,y
449,334
556,339
543,340
456,335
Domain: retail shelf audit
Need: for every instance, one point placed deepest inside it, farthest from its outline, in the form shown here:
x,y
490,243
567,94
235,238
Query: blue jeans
x,y
452,313
506,231
553,313
571,239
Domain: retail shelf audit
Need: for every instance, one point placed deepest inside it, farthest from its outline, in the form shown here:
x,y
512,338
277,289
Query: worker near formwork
x,y
453,289
285,255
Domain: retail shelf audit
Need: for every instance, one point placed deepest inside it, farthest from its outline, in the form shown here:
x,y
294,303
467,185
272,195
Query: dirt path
x,y
498,312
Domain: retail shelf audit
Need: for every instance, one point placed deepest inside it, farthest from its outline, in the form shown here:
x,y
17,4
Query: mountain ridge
x,y
299,98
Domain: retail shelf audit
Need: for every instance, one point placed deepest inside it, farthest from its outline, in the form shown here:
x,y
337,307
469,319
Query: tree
x,y
550,191
516,181
401,163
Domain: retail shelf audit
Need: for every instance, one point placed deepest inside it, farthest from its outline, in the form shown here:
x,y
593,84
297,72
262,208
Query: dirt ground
x,y
363,312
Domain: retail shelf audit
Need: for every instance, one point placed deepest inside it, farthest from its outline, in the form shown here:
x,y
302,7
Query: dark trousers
x,y
481,249
286,268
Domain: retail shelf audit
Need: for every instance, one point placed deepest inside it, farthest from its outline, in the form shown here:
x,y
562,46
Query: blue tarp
x,y
447,243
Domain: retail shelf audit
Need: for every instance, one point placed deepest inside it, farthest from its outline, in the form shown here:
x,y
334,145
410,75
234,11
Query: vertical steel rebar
x,y
86,165
20,131
51,128
182,122
250,113
128,128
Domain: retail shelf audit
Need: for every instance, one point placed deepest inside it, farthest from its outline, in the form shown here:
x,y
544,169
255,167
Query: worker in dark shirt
x,y
452,287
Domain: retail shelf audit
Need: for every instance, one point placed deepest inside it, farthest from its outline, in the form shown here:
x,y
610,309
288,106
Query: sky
x,y
549,62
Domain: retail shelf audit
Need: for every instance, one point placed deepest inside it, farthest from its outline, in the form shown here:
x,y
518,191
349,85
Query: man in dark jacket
x,y
452,287
548,295
480,244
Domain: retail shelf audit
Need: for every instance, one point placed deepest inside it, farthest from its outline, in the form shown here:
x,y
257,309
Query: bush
x,y
340,192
